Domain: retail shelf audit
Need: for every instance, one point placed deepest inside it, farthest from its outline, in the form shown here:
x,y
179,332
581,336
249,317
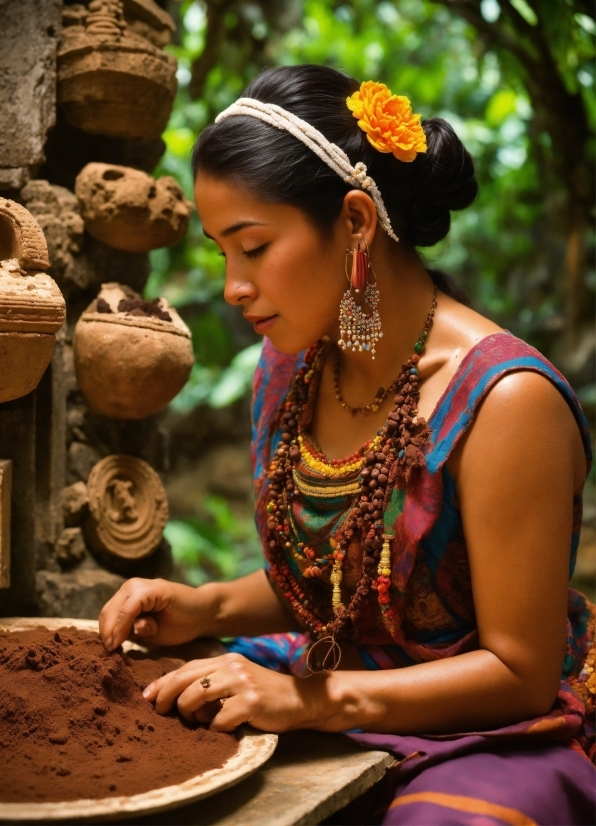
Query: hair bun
x,y
444,181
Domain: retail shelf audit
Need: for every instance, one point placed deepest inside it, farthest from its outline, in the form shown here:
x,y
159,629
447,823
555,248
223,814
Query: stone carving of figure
x,y
123,506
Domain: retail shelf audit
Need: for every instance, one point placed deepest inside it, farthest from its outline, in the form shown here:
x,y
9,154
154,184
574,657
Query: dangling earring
x,y
360,330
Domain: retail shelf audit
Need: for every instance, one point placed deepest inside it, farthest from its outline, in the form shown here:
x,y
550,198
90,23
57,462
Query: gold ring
x,y
205,682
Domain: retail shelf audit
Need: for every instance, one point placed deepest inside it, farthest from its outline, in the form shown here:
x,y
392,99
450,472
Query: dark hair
x,y
419,196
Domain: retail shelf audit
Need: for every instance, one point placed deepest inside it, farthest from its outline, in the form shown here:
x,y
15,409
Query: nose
x,y
237,290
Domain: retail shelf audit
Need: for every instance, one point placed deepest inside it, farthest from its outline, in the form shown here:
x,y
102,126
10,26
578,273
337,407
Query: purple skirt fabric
x,y
533,772
476,782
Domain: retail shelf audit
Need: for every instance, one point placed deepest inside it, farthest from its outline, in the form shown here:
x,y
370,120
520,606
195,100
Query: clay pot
x,y
129,210
129,365
128,507
111,80
32,308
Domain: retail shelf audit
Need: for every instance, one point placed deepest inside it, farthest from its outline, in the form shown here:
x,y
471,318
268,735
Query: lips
x,y
255,319
261,323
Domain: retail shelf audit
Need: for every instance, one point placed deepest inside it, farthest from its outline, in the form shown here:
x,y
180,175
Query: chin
x,y
291,345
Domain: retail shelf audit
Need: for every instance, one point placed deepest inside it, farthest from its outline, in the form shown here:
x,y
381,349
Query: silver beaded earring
x,y
360,330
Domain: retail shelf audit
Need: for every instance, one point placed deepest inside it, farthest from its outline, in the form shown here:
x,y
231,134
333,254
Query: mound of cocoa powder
x,y
136,306
73,723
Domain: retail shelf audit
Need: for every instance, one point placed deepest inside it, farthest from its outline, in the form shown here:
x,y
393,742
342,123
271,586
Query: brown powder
x,y
73,723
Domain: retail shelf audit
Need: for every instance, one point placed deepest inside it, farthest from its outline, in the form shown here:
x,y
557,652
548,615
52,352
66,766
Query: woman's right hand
x,y
158,611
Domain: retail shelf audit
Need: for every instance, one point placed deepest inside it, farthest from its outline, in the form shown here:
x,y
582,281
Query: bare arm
x,y
516,473
167,613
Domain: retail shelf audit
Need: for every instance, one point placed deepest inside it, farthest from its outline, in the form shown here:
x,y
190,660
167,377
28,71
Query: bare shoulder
x,y
525,419
462,327
456,330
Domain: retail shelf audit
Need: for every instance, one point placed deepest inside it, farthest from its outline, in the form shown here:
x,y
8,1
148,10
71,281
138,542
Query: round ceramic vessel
x,y
129,209
130,366
255,749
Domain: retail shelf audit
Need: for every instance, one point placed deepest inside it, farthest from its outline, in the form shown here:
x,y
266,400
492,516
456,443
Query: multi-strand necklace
x,y
388,459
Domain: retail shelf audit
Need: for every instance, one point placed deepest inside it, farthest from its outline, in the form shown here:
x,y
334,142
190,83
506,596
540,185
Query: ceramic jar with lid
x,y
131,356
111,80
32,308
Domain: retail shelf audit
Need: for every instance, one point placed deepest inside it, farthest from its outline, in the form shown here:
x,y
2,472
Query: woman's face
x,y
288,278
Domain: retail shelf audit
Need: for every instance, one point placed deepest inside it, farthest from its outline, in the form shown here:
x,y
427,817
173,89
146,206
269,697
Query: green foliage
x,y
422,50
501,250
219,546
219,387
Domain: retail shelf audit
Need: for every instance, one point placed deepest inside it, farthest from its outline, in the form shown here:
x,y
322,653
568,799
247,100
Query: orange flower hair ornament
x,y
388,121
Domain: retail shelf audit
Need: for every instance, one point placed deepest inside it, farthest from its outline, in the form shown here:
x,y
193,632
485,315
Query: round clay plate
x,y
255,749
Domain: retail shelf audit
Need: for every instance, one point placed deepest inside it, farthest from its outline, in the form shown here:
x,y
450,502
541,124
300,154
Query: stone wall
x,y
30,35
51,435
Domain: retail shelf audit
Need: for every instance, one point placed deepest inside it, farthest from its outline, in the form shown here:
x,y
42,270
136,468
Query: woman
x,y
421,582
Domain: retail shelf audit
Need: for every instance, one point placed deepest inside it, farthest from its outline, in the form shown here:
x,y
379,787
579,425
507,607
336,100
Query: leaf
x,y
502,104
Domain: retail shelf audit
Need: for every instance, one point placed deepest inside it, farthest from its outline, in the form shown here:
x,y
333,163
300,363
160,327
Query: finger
x,y
142,597
206,667
171,689
206,713
196,695
232,714
168,690
145,627
110,613
107,614
152,690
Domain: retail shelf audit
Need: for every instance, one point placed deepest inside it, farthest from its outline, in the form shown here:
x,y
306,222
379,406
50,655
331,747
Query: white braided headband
x,y
328,152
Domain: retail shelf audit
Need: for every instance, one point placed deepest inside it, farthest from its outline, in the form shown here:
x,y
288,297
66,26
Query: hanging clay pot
x,y
128,507
131,356
32,308
111,80
129,210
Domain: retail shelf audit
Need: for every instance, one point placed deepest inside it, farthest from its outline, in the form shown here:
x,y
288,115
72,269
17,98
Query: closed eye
x,y
255,252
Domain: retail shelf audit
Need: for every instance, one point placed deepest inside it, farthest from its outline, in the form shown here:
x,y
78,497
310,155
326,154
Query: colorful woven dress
x,y
537,771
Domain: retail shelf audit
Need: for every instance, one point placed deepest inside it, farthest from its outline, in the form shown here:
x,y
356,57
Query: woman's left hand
x,y
248,693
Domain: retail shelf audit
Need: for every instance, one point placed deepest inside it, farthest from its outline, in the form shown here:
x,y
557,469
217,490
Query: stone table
x,y
310,777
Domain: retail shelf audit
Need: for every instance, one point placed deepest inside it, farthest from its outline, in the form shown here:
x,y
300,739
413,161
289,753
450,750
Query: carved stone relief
x,y
128,508
111,79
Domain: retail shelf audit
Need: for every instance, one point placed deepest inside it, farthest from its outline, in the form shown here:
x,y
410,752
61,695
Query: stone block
x,y
81,593
30,33
17,442
75,501
5,505
56,211
70,548
81,459
147,19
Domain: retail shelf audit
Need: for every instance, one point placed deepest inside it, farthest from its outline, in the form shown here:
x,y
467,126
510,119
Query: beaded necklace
x,y
384,462
378,400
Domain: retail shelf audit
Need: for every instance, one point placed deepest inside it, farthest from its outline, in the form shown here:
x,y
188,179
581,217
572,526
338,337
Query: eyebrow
x,y
235,228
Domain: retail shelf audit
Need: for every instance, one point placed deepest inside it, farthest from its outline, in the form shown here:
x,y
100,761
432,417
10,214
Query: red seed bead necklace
x,y
397,456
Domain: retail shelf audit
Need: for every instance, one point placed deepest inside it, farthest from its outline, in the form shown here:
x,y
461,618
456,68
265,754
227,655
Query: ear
x,y
359,216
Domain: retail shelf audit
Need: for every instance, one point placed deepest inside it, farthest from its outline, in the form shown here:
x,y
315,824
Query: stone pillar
x,y
29,41
17,442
